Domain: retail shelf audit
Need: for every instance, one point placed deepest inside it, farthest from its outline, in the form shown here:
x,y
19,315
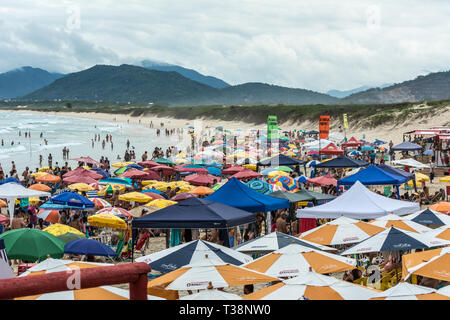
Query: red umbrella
x,y
87,160
325,180
134,174
183,196
80,171
148,163
79,179
153,195
201,179
233,170
166,170
246,174
151,175
192,170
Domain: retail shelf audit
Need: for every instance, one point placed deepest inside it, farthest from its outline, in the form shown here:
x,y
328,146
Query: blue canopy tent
x,y
407,175
10,179
342,162
406,146
371,176
236,194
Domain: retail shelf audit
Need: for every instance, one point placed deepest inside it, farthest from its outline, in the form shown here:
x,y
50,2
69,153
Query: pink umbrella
x,y
233,170
201,179
80,171
166,170
79,179
192,170
183,196
3,219
134,174
244,174
151,175
148,163
87,160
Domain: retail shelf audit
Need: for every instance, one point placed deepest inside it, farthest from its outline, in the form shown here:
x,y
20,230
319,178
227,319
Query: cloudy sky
x,y
318,44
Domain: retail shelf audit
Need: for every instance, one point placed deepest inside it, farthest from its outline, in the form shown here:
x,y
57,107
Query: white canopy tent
x,y
359,203
314,145
12,191
410,163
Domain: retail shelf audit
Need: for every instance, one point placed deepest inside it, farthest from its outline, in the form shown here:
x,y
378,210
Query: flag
x,y
345,121
324,127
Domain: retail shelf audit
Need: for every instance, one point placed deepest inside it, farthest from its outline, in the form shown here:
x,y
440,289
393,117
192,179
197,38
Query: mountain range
x,y
155,82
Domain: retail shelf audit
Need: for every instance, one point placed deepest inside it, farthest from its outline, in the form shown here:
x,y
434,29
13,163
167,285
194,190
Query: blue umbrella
x,y
135,166
88,247
102,172
367,148
428,152
301,179
260,186
73,199
49,205
267,171
122,181
214,171
152,190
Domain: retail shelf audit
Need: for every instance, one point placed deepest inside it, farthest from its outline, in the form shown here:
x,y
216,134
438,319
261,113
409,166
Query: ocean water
x,y
75,134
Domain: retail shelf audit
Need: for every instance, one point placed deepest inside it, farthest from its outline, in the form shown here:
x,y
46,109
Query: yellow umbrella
x,y
445,179
161,186
149,182
121,164
38,174
43,169
160,203
107,220
135,196
250,166
175,184
80,187
58,229
115,187
182,155
272,174
419,178
185,188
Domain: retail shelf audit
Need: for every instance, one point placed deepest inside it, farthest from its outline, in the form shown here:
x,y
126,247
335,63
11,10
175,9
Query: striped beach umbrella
x,y
313,286
394,239
100,203
116,211
48,215
208,272
260,186
429,217
408,291
393,220
286,182
194,251
295,259
441,233
433,264
342,230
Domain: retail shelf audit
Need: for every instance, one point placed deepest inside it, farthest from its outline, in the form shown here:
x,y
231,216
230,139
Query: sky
x,y
317,45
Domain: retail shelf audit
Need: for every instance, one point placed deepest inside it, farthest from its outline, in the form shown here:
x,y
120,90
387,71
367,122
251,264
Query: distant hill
x,y
188,73
21,81
345,93
434,86
137,84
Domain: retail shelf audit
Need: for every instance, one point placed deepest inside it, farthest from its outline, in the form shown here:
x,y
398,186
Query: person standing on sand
x,y
281,225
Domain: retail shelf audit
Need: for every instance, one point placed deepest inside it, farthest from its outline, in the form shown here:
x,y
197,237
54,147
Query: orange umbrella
x,y
442,207
40,187
3,203
431,264
201,191
48,178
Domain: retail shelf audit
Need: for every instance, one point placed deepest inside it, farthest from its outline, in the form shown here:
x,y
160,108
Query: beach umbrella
x,y
80,187
183,196
393,220
191,252
160,185
48,178
31,244
313,286
116,211
89,247
69,236
72,199
51,265
232,170
408,291
149,182
340,231
274,241
107,220
393,239
152,195
265,172
38,174
160,203
87,160
48,215
127,182
420,177
433,264
286,182
79,179
260,186
101,172
445,179
246,174
135,196
445,291
163,161
3,204
111,188
121,164
100,203
201,190
58,229
82,172
295,259
132,174
442,207
441,232
284,169
40,187
201,179
312,163
198,275
301,179
212,294
273,174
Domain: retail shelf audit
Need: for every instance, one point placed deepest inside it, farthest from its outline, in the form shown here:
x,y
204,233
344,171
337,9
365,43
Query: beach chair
x,y
361,281
387,191
119,249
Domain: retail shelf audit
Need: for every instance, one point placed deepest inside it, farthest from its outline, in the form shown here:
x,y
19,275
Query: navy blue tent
x,y
342,162
236,194
10,179
371,176
280,160
195,213
73,199
89,247
406,146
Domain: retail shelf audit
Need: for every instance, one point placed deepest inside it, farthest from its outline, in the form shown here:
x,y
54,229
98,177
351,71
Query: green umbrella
x,y
69,236
32,244
163,161
284,168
